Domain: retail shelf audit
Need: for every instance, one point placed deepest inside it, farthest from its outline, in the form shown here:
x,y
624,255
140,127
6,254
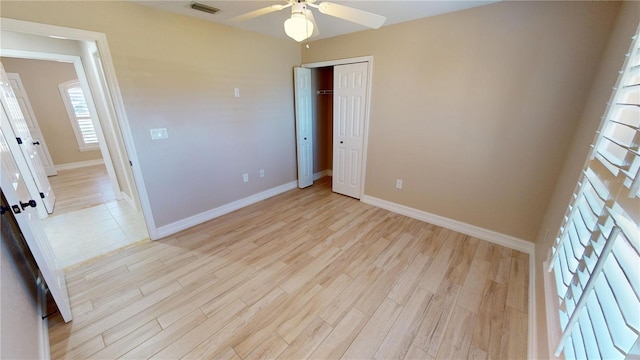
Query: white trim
x,y
320,175
79,164
43,343
197,219
464,228
129,201
553,322
112,87
365,144
338,62
532,341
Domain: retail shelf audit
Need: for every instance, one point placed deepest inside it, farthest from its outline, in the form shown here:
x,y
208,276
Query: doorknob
x,y
36,143
341,142
305,138
31,203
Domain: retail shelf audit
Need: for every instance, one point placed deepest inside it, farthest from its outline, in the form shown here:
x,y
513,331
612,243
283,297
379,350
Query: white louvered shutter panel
x,y
593,275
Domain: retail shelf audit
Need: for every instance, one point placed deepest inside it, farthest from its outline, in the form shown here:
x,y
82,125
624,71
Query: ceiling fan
x,y
302,25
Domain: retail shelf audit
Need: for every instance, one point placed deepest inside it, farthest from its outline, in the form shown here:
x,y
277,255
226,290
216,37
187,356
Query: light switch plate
x,y
159,134
236,92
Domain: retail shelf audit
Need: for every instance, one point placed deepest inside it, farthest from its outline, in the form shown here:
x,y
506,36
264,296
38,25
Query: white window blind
x,y
78,111
593,279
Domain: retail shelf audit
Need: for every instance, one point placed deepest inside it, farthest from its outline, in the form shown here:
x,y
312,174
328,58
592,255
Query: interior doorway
x,y
106,209
328,123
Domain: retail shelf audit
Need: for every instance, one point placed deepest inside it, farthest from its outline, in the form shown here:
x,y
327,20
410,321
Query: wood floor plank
x,y
514,346
304,274
337,342
308,340
129,341
154,344
269,349
415,353
96,328
474,285
192,341
364,346
290,329
457,338
487,334
406,283
441,261
518,289
397,342
431,331
500,265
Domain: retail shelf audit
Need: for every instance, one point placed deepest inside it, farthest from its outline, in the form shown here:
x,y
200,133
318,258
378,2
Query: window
x,y
593,279
79,115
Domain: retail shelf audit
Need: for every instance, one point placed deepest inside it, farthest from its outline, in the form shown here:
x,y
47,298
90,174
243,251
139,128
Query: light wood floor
x,y
81,188
306,274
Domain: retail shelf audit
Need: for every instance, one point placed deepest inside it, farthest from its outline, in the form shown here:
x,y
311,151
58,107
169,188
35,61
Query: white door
x,y
349,104
304,128
18,135
17,195
36,134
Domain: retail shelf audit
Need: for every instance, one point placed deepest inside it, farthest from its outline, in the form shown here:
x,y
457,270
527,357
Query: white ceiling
x,y
272,23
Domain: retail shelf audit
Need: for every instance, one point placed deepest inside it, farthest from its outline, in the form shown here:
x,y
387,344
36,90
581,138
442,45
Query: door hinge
x,y
42,195
130,163
19,140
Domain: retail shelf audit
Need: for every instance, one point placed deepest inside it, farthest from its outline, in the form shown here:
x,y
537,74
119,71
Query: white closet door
x,y
349,106
304,127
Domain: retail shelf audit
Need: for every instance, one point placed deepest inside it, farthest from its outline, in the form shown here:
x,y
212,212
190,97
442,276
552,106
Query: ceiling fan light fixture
x,y
298,27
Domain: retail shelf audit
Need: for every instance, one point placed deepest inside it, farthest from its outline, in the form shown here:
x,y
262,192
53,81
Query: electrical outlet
x,y
398,183
245,177
261,172
236,92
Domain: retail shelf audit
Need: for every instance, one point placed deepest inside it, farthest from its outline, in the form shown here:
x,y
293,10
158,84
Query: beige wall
x,y
179,73
473,109
605,78
41,79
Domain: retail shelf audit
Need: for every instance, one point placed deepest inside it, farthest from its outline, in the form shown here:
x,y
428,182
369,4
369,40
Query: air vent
x,y
204,8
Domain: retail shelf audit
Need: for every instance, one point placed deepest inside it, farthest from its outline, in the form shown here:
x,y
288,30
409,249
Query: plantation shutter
x,y
594,265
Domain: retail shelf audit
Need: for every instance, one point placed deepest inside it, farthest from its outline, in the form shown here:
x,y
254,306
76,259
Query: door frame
x,y
112,89
365,145
86,89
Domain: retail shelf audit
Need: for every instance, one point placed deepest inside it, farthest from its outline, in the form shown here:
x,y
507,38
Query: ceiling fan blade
x,y
309,15
354,15
254,14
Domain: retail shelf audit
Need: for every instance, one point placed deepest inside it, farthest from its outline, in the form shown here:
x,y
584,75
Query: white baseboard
x,y
183,224
464,228
532,341
129,200
79,164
